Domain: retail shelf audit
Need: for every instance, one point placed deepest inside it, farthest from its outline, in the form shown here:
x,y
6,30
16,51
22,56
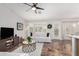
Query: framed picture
x,y
19,26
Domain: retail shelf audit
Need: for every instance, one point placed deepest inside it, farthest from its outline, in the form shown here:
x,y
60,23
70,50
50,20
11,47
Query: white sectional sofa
x,y
41,37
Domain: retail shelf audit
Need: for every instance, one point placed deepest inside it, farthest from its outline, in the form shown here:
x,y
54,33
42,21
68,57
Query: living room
x,y
51,28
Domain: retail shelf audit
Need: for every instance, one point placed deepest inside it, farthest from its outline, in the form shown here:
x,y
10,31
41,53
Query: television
x,y
6,32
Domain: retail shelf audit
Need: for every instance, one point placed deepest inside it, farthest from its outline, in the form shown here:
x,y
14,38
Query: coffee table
x,y
29,47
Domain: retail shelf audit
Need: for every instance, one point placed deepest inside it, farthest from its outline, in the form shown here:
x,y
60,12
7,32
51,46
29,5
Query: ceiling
x,y
53,11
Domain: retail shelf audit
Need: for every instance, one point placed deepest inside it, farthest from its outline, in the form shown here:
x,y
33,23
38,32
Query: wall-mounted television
x,y
6,32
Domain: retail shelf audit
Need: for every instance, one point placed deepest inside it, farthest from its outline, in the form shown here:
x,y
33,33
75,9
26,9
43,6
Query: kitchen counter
x,y
74,42
74,36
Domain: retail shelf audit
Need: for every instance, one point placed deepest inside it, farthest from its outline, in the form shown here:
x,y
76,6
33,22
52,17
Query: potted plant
x,y
29,39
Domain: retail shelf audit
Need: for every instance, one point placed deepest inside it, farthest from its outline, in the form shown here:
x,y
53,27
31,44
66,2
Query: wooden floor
x,y
57,48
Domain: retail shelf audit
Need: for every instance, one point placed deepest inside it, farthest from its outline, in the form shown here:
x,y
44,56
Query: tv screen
x,y
6,32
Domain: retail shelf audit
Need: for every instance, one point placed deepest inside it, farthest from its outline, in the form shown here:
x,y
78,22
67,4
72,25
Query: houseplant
x,y
29,39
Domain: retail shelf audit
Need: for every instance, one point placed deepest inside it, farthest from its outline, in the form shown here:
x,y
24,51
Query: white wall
x,y
51,31
10,19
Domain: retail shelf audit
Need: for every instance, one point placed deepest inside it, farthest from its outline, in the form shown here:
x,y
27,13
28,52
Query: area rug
x,y
57,48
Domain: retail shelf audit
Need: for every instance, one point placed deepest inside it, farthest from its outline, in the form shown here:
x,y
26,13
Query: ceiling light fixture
x,y
33,8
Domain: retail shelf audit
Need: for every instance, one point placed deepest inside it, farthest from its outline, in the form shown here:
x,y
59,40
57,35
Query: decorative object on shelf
x,y
49,26
25,42
19,26
15,35
29,39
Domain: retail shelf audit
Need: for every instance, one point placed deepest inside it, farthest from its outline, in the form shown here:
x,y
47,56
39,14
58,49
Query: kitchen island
x,y
75,45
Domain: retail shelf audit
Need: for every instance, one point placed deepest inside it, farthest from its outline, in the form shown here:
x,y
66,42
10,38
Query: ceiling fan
x,y
34,7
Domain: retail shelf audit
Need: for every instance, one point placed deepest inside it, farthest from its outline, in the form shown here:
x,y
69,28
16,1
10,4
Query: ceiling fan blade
x,y
34,4
39,8
27,4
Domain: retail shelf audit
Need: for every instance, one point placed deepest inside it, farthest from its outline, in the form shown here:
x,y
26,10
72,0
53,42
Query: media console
x,y
7,39
9,43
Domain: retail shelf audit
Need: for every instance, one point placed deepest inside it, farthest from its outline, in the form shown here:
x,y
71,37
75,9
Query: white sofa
x,y
41,37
